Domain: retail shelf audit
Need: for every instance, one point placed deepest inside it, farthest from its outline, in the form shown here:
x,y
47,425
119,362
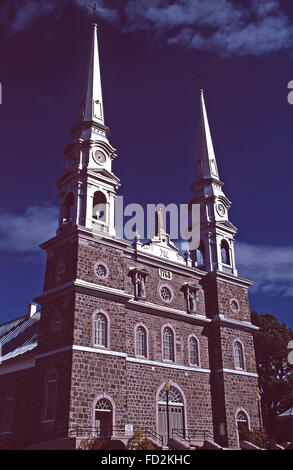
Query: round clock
x,y
221,209
99,157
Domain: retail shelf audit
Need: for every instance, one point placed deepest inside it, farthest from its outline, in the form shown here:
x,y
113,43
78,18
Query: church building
x,y
129,335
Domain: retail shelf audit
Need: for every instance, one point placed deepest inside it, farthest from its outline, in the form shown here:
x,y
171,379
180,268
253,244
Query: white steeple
x,y
87,188
92,101
216,250
207,166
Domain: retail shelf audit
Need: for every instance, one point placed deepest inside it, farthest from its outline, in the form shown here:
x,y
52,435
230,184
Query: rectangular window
x,y
51,400
8,415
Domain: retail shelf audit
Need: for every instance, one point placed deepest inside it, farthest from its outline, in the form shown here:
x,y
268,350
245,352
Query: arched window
x,y
50,397
168,344
103,418
200,254
8,412
225,252
193,351
99,206
141,342
170,412
238,355
68,208
242,424
100,330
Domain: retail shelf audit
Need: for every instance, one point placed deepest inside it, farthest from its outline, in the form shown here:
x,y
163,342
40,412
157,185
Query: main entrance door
x,y
176,413
103,418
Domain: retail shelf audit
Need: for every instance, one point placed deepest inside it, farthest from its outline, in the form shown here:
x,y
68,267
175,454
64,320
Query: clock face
x,y
99,157
221,209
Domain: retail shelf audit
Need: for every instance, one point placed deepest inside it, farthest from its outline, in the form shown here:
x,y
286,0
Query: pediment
x,y
105,173
226,224
162,247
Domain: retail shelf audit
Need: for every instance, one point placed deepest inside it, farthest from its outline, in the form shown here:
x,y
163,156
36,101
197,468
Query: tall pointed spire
x,y
216,249
206,165
87,188
92,101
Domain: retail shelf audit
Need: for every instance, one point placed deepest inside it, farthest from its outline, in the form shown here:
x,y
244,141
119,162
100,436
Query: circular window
x,y
101,270
234,305
165,294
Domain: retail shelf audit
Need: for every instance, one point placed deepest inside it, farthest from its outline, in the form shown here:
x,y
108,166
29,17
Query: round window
x,y
234,305
101,270
165,294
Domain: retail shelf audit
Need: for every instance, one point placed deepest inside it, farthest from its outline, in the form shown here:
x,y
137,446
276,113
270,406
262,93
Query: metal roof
x,y
288,412
19,336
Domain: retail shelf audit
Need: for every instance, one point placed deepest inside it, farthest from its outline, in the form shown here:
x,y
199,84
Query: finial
x,y
160,229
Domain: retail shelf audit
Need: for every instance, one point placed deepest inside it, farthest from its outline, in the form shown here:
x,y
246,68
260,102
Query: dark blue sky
x,y
150,91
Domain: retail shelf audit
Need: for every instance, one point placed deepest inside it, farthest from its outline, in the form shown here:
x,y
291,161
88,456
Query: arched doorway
x,y
103,418
175,409
242,424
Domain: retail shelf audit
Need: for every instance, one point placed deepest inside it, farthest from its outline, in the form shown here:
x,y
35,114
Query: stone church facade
x,y
130,335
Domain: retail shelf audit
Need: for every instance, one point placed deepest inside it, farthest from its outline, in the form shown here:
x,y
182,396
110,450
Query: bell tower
x,y
216,249
88,186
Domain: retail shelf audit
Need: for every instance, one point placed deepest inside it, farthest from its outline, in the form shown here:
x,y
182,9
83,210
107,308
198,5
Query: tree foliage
x,y
275,374
138,442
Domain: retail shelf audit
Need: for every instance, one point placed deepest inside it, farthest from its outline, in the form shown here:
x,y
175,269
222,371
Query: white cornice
x,y
233,322
231,279
107,352
102,289
238,372
168,365
150,307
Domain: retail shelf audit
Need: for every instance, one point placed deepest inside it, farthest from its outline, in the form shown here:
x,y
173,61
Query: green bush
x,y
138,442
105,443
259,438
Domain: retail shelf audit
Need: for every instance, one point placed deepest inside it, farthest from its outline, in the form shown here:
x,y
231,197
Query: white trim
x,y
167,364
98,351
238,340
32,362
240,372
248,421
231,279
106,289
107,321
192,335
107,397
150,306
243,324
141,325
170,327
175,385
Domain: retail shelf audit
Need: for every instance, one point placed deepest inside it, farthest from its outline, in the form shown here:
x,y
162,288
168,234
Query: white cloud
x,y
221,26
20,14
269,267
22,233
